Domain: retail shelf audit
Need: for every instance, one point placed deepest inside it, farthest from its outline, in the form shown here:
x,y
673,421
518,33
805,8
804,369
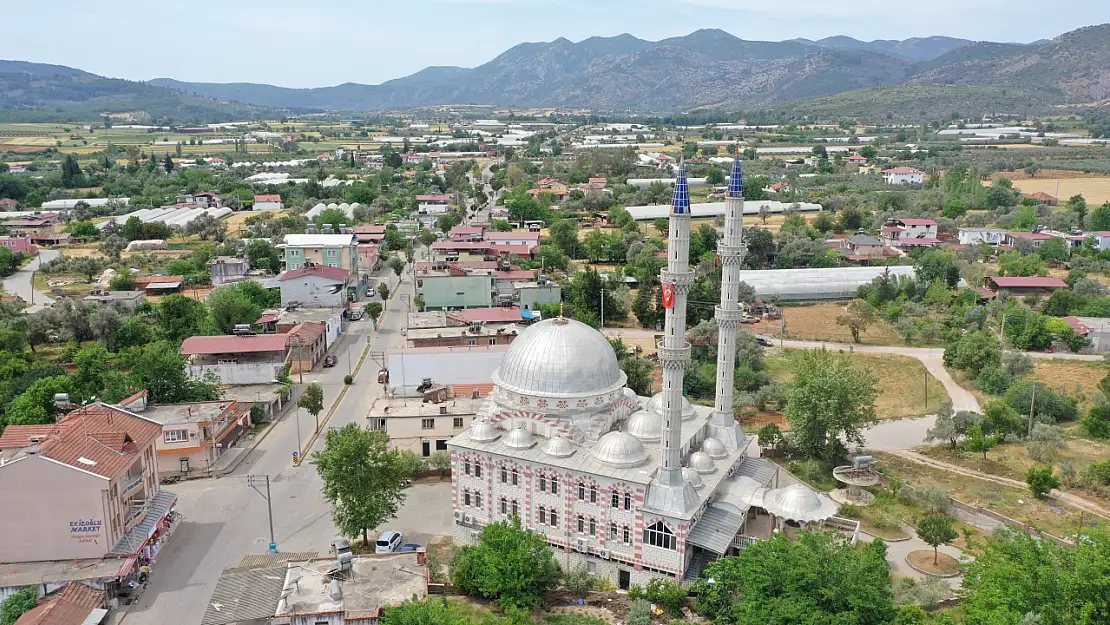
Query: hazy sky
x,y
327,42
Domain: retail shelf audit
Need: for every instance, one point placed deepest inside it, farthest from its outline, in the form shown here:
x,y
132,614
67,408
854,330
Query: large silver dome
x,y
559,358
620,449
656,404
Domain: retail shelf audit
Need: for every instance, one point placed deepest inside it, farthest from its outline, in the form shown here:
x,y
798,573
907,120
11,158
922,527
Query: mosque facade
x,y
629,488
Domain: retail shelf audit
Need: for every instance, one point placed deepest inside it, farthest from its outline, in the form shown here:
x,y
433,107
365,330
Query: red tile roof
x,y
20,436
369,229
490,315
511,236
143,281
519,250
71,606
234,344
467,390
1007,282
1041,195
433,197
267,318
912,241
308,331
892,229
323,271
1032,236
461,245
903,170
101,439
918,222
267,198
523,274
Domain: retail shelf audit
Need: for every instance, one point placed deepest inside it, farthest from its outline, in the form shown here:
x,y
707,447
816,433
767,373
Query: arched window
x,y
543,482
516,510
581,492
627,536
543,515
466,498
616,501
477,468
466,466
627,501
659,535
554,485
593,527
593,494
612,531
504,475
477,500
516,476
581,524
554,518
504,505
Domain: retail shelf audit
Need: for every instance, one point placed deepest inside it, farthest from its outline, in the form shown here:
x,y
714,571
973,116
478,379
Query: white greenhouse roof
x,y
716,209
801,285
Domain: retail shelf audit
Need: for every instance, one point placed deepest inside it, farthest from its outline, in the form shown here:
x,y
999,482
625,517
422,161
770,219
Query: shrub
x,y
639,613
666,593
1051,406
927,593
1097,422
348,379
933,499
258,414
1041,481
993,381
1099,473
578,582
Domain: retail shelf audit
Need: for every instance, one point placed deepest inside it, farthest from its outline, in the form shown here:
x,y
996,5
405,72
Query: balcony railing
x,y
742,542
130,482
134,513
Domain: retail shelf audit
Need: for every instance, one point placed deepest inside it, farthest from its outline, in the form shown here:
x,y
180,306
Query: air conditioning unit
x,y
458,515
475,535
468,519
581,546
603,554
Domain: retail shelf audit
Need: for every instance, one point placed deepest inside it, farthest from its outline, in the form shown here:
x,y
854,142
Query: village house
x,y
910,233
516,238
331,250
8,204
1021,286
195,435
316,286
237,359
1044,198
130,300
370,234
19,244
84,487
207,199
455,288
1036,238
52,239
228,269
28,226
421,427
369,259
903,176
990,236
268,202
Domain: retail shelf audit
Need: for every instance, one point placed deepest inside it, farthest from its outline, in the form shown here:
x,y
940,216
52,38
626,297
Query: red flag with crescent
x,y
668,296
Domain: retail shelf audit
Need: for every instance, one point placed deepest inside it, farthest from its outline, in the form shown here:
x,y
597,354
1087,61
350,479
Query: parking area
x,y
425,514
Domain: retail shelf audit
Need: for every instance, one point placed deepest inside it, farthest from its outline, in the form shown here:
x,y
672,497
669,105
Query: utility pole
x,y
253,481
1032,407
603,309
926,390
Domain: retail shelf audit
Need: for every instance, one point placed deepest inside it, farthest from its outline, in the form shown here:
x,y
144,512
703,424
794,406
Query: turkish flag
x,y
668,296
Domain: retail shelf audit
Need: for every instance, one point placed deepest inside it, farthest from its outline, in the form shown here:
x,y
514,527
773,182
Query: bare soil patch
x,y
923,561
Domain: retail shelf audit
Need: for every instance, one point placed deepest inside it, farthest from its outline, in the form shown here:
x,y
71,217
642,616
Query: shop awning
x,y
133,541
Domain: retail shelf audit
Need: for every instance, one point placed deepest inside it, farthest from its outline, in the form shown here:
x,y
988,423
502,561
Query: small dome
x,y
702,463
620,449
692,476
714,448
656,404
631,396
484,432
799,503
558,447
646,425
520,438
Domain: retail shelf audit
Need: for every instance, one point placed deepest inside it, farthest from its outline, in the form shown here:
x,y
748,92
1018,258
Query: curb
x,y
937,575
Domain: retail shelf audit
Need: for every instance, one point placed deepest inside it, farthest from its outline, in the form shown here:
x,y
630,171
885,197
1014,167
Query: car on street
x,y
409,547
329,361
371,292
764,341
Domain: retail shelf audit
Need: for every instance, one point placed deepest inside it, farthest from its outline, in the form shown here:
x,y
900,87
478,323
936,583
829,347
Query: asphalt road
x,y
19,283
224,519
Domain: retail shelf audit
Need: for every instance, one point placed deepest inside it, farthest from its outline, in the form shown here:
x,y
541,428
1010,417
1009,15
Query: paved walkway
x,y
896,553
19,283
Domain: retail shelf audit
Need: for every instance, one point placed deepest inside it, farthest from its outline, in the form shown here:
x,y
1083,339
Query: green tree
x,y
383,291
83,229
662,225
933,265
564,235
817,578
36,404
396,264
123,281
951,426
509,564
976,441
427,237
1041,481
1053,249
858,317
1016,574
263,255
71,173
161,370
974,353
374,310
362,479
639,370
714,176
1100,217
830,402
229,307
113,247
179,317
424,612
87,266
1097,422
19,603
936,530
312,400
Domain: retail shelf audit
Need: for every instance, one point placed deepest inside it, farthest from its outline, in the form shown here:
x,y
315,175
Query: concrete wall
x,y
223,273
457,291
408,433
242,373
43,500
314,292
531,296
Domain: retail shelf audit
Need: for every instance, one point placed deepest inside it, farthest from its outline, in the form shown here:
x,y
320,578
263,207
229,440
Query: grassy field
x,y
1013,461
818,323
901,383
1015,503
1074,377
1094,190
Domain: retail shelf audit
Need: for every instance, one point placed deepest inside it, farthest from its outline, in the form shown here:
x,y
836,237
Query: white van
x,y
389,542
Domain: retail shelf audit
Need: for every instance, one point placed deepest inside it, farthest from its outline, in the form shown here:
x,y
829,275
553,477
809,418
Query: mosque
x,y
629,488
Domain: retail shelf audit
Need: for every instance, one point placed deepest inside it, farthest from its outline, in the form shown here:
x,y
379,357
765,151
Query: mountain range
x,y
705,69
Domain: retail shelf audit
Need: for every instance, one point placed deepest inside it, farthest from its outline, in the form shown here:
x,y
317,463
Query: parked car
x,y
764,341
388,542
371,292
409,547
329,361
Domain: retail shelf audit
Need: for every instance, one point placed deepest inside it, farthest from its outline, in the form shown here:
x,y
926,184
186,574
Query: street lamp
x,y
253,481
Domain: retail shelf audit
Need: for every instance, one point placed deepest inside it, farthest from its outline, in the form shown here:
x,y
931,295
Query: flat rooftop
x,y
186,413
431,319
303,315
251,392
414,407
487,330
377,581
61,571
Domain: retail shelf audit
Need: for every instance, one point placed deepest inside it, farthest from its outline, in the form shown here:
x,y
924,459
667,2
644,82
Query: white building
x,y
910,232
271,202
904,175
315,286
990,236
627,487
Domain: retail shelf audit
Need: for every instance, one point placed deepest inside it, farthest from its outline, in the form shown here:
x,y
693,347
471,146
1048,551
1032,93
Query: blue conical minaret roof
x,y
680,204
736,178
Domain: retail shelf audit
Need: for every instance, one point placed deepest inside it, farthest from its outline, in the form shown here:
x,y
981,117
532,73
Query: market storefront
x,y
145,541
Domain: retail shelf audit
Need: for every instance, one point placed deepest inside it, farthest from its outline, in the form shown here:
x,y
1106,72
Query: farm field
x,y
1095,190
818,323
1074,377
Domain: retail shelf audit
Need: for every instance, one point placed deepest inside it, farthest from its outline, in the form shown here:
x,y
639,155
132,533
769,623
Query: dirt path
x,y
1072,500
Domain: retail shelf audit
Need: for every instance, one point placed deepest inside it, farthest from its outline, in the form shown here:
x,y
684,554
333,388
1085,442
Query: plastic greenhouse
x,y
807,285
